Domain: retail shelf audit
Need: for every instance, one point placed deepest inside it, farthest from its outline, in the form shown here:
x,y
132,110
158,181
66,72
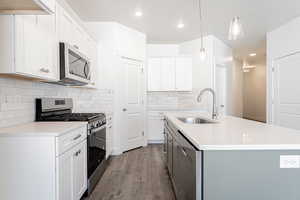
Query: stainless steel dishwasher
x,y
181,162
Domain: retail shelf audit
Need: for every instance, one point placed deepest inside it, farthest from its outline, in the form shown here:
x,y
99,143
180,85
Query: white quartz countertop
x,y
232,133
39,129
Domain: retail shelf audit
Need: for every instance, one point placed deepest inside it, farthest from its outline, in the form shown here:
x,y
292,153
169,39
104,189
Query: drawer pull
x,y
77,137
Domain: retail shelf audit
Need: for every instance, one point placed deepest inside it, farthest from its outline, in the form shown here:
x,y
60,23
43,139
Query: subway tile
x,y
17,99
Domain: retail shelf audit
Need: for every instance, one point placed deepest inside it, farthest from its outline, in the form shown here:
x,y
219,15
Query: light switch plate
x,y
289,161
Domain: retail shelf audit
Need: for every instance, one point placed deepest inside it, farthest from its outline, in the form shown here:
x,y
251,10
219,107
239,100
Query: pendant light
x,y
236,29
202,49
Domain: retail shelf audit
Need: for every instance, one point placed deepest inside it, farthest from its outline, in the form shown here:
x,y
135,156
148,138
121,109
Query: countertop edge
x,y
41,133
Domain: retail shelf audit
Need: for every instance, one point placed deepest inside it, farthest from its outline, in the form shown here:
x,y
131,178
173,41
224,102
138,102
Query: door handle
x,y
124,109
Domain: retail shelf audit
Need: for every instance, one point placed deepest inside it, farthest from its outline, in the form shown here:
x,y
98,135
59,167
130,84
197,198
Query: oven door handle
x,y
98,129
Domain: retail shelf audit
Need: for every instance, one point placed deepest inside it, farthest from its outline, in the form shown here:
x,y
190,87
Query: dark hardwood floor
x,y
139,174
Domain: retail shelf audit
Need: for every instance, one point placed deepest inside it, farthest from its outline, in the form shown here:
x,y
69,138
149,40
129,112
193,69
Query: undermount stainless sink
x,y
196,120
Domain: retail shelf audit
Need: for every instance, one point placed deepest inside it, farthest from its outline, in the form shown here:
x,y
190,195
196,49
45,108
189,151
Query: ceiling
x,y
160,18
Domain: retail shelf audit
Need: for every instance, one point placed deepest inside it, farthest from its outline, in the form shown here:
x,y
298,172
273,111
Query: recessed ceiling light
x,y
180,25
138,13
252,54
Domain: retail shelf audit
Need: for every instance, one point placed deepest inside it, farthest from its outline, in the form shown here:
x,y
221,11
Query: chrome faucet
x,y
199,98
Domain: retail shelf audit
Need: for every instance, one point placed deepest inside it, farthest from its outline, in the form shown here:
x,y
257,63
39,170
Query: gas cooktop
x,y
75,117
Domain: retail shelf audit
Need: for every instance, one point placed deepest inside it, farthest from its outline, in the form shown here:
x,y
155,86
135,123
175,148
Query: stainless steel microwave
x,y
75,68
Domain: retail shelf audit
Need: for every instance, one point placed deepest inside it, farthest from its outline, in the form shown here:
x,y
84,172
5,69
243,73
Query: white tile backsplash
x,y
17,99
175,100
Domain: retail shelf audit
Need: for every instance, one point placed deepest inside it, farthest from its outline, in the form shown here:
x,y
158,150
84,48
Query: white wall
x,y
235,89
255,91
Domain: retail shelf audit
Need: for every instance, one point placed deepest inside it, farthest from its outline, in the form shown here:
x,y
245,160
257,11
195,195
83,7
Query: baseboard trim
x,y
155,141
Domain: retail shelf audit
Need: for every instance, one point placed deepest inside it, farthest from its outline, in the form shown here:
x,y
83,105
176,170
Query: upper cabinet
x,y
170,74
27,7
28,46
71,32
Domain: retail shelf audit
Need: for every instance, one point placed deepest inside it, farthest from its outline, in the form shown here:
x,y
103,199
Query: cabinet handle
x,y
110,127
76,47
45,70
77,152
77,137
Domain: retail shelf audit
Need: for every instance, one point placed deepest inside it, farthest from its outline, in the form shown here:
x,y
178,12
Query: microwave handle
x,y
85,70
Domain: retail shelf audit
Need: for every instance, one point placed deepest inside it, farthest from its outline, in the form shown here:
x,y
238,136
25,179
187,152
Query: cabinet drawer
x,y
70,139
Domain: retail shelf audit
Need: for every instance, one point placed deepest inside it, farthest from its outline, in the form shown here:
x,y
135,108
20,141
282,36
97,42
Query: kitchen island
x,y
232,159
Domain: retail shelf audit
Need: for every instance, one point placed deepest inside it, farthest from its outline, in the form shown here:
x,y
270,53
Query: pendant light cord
x,y
201,25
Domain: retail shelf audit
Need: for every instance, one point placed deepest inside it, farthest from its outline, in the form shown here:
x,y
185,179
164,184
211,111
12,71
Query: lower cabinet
x,y
47,167
155,127
72,173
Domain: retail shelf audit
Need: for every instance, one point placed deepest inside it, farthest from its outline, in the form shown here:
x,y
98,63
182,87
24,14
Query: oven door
x,y
96,148
75,68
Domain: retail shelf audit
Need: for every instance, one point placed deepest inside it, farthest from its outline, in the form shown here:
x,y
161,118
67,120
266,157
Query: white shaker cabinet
x,y
154,74
71,32
28,46
49,161
72,173
168,78
155,127
170,74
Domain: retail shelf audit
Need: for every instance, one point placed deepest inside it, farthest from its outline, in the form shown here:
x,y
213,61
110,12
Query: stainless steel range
x,y
60,109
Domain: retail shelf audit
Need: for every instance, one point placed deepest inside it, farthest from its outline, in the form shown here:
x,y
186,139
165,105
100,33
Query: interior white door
x,y
221,88
133,104
287,91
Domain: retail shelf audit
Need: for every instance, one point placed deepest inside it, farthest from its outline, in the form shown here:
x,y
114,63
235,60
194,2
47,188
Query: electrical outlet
x,y
289,161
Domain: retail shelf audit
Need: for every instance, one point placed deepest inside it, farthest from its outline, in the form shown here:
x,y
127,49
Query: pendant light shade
x,y
236,29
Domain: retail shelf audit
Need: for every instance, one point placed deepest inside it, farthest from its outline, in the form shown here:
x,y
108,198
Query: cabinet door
x,y
92,55
80,170
36,46
72,173
184,72
27,44
167,74
154,74
65,168
48,47
155,128
65,26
